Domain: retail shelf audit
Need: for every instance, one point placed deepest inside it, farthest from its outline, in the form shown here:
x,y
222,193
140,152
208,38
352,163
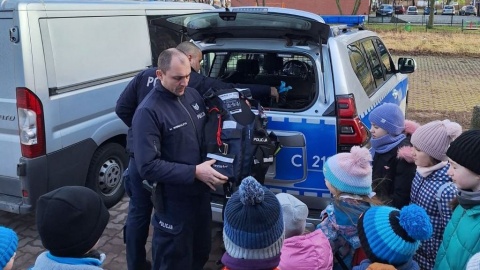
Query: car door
x,y
389,86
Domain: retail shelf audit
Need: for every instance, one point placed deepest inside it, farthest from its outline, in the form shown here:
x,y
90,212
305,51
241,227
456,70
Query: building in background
x,y
322,7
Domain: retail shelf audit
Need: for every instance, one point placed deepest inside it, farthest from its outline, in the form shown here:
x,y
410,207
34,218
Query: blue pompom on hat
x,y
253,223
389,117
8,245
392,236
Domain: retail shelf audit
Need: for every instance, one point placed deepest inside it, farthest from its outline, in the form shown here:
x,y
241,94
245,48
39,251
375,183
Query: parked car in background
x,y
426,11
384,10
449,10
412,10
399,9
468,10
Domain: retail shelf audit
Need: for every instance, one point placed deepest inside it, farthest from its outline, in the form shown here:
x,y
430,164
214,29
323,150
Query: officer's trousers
x,y
138,219
182,234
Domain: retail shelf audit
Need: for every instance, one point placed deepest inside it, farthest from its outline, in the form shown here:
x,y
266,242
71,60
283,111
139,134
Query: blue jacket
x,y
47,261
167,138
144,81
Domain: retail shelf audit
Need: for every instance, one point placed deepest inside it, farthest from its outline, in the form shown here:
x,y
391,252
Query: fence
x,y
465,22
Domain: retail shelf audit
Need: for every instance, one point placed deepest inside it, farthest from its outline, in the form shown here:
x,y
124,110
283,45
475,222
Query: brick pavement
x,y
440,84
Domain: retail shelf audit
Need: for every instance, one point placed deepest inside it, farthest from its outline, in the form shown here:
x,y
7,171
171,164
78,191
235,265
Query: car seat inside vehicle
x,y
245,71
269,69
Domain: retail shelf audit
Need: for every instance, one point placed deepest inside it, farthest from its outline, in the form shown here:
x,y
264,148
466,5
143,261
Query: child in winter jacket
x,y
70,221
348,176
390,236
393,166
253,229
8,247
461,237
301,250
431,187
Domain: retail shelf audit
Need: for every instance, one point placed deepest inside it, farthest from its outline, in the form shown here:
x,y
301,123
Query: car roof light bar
x,y
349,20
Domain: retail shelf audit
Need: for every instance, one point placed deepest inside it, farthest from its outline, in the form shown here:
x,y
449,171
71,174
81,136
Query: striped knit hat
x,y
350,172
392,236
253,223
8,245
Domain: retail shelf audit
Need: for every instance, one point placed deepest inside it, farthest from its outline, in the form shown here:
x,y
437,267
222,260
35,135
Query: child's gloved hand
x,y
283,87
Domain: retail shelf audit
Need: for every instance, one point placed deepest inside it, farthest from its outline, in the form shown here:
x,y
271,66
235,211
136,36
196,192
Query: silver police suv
x,y
332,72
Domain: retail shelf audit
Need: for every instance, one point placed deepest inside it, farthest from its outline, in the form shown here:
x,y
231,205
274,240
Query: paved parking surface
x,y
439,85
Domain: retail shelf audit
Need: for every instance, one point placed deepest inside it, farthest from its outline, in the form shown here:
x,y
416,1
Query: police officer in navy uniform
x,y
167,141
140,206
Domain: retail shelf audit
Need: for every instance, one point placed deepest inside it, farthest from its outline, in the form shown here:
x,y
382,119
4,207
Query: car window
x,y
374,62
384,58
295,70
360,67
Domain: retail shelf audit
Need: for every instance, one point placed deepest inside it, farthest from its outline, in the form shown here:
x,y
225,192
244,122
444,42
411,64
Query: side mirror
x,y
406,65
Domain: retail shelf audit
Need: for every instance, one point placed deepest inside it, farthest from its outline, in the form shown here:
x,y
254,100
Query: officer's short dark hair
x,y
188,47
165,58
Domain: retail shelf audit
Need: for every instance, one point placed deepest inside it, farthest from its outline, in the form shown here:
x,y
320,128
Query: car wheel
x,y
105,173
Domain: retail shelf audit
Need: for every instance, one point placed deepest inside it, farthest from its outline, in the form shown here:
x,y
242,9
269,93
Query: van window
x,y
297,71
162,38
93,50
360,67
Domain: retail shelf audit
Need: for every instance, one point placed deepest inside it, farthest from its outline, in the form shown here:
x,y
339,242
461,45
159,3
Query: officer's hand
x,y
205,173
274,93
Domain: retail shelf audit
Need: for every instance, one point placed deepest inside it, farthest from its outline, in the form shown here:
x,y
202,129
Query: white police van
x,y
337,71
63,65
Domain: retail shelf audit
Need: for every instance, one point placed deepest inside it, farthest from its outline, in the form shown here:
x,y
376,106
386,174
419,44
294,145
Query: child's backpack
x,y
236,136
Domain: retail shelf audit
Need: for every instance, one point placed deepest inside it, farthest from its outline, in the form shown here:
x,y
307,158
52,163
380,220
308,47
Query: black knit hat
x,y
70,220
465,150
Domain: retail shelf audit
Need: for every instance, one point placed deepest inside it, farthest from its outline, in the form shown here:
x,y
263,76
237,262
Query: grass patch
x,y
400,27
442,40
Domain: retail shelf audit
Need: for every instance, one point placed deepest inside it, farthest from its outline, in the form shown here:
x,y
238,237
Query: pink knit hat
x,y
434,138
350,172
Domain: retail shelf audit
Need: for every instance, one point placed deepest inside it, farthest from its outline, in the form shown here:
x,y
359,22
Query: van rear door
x,y
9,140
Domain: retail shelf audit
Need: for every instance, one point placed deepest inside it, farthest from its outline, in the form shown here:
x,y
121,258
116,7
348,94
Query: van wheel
x,y
106,171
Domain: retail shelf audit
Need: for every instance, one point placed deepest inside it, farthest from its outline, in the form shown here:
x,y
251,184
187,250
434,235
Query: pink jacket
x,y
310,251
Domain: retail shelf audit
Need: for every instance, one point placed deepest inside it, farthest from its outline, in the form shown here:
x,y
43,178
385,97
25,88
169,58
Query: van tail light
x,y
31,123
350,129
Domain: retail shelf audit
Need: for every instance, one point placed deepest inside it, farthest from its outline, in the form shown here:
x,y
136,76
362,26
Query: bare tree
x,y
431,4
356,6
337,2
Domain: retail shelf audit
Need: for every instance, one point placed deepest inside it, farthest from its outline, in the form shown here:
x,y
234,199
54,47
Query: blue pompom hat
x,y
253,223
392,236
389,117
8,245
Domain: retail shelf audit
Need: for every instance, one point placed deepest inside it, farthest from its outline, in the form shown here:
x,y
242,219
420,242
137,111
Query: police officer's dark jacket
x,y
134,93
167,138
143,82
